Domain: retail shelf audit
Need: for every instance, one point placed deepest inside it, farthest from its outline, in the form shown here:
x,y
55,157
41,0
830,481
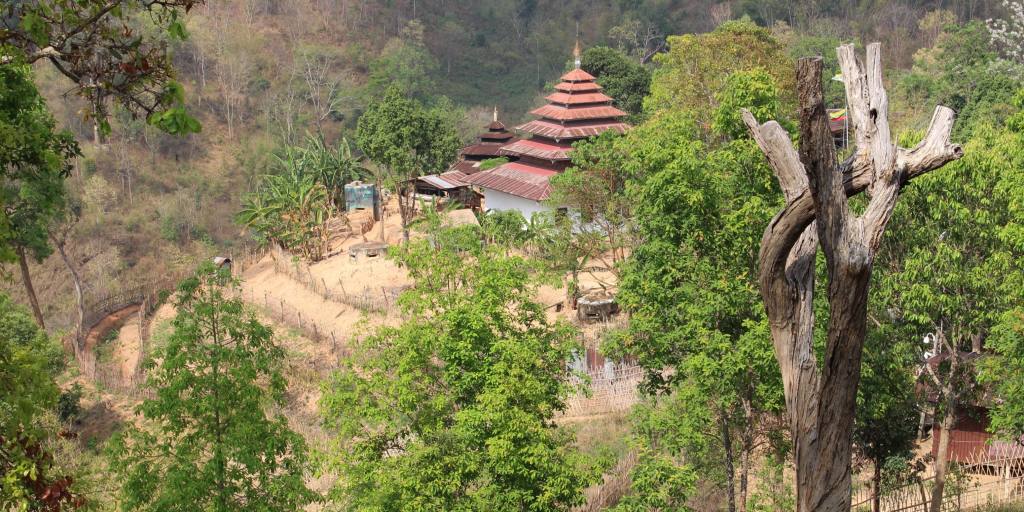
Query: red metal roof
x,y
560,113
516,178
577,75
538,149
577,86
578,98
466,167
484,149
557,131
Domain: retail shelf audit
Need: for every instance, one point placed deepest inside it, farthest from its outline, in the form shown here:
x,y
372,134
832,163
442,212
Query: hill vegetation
x,y
441,378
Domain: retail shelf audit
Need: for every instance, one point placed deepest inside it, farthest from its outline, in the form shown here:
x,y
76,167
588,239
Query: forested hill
x,y
261,75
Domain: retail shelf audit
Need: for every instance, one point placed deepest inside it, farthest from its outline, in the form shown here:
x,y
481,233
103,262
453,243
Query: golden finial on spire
x,y
495,113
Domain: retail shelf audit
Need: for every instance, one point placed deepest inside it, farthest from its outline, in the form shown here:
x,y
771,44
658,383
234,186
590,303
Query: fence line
x,y
961,492
278,309
146,295
607,390
367,300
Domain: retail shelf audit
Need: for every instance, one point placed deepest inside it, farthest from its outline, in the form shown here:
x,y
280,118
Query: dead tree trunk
x,y
26,277
821,401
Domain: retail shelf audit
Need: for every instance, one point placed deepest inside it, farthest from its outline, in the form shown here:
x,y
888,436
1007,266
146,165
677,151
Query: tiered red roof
x,y
488,145
577,110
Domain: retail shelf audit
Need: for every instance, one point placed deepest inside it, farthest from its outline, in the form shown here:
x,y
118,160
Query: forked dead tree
x,y
821,401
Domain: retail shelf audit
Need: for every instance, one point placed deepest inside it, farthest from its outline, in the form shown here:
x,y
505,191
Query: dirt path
x,y
111,321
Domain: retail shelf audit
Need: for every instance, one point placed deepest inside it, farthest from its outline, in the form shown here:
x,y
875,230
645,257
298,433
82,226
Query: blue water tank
x,y
361,196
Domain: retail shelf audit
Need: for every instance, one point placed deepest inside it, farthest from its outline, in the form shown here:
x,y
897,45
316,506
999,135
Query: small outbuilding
x,y
447,188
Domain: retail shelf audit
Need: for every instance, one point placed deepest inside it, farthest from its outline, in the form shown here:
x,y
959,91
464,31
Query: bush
x,y
69,404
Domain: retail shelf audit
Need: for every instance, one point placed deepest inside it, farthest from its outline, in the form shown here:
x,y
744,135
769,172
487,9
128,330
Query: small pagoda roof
x,y
578,75
582,98
517,179
561,113
570,131
538,148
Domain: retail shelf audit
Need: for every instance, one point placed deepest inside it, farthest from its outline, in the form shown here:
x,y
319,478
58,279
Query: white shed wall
x,y
500,201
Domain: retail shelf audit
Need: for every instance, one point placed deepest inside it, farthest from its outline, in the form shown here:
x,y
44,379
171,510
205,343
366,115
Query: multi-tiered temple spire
x,y
576,110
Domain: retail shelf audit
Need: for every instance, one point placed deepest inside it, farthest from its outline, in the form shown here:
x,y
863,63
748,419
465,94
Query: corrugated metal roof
x,y
579,98
515,178
538,149
455,177
438,182
557,131
560,113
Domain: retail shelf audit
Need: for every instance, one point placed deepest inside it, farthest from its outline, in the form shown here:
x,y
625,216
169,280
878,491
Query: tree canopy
x,y
209,441
101,48
453,409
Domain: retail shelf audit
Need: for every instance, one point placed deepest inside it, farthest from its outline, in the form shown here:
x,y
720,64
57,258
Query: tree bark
x,y
26,278
821,402
942,456
730,469
745,456
876,486
79,295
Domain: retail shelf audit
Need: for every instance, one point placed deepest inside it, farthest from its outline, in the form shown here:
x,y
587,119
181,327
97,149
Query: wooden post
x,y
1006,479
334,342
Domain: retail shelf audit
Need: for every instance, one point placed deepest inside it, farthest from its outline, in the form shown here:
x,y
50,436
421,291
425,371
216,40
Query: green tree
x,y
453,409
689,287
752,89
209,442
291,210
407,63
698,65
949,274
963,71
35,159
665,476
98,46
405,139
887,410
593,190
622,78
29,361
